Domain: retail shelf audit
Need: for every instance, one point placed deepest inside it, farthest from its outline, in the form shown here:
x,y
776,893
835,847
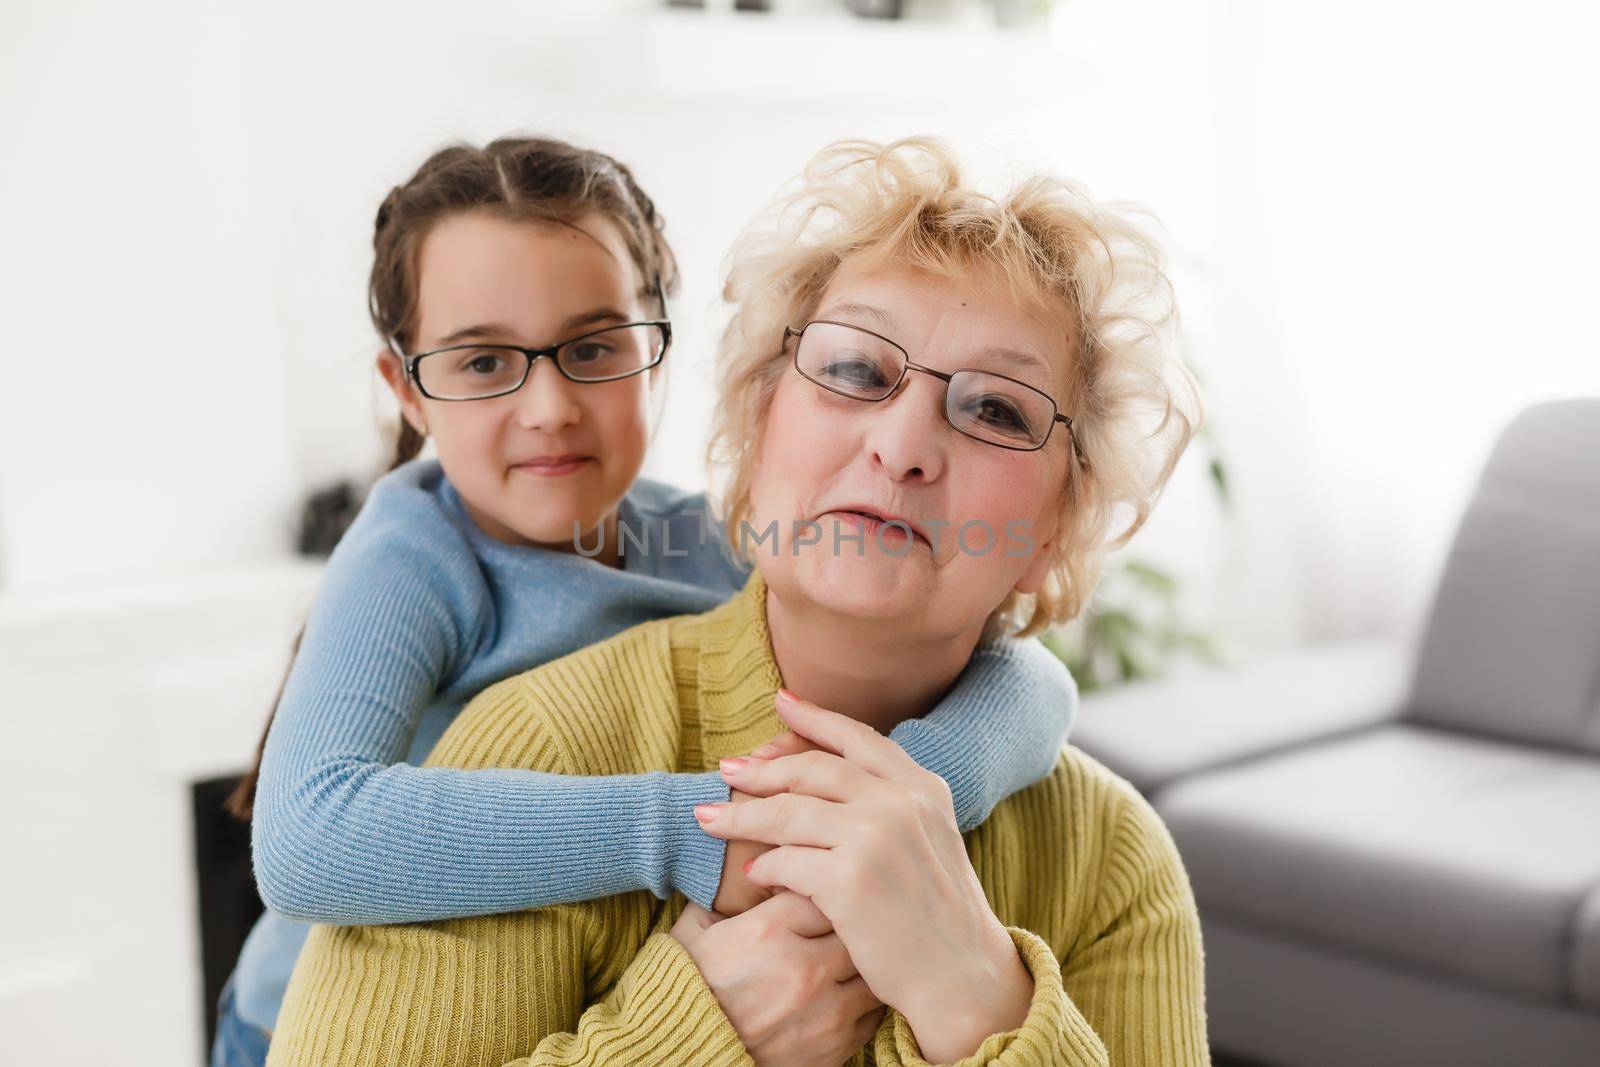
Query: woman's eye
x,y
854,371
1000,413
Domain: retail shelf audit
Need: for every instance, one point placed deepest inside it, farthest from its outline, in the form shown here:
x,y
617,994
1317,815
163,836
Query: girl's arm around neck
x,y
999,729
345,832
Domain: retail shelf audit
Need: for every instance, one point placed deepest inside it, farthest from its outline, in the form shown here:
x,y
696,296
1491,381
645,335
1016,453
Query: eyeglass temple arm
x,y
1072,434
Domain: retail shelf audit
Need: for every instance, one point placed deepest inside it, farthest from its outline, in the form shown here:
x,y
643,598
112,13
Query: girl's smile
x,y
554,466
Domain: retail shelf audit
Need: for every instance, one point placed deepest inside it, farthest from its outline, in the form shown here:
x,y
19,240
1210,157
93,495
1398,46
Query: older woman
x,y
938,412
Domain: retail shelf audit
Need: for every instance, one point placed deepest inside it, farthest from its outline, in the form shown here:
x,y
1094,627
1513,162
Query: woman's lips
x,y
554,466
889,534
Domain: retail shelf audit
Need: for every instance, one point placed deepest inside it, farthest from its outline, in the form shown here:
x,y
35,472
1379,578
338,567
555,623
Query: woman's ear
x,y
1039,566
1038,569
394,374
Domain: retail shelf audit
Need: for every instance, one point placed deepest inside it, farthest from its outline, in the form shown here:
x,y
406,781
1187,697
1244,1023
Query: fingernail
x,y
747,865
766,751
707,812
786,696
733,764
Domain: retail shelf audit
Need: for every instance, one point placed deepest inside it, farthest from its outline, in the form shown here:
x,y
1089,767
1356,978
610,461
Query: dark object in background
x,y
229,901
875,9
752,5
326,516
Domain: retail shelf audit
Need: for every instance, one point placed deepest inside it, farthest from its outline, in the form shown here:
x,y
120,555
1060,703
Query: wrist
x,y
990,996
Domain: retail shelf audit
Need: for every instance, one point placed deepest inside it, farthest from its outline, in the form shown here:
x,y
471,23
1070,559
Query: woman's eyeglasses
x,y
988,407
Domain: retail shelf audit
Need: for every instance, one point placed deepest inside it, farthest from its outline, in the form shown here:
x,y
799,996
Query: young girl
x,y
519,291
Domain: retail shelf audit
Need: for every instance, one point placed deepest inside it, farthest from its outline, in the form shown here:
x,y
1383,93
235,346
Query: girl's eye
x,y
589,351
483,362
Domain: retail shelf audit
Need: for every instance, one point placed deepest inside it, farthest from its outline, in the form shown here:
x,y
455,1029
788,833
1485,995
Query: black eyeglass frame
x,y
409,363
790,331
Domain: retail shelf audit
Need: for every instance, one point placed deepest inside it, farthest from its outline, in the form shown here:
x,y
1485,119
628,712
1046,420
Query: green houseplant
x,y
1134,628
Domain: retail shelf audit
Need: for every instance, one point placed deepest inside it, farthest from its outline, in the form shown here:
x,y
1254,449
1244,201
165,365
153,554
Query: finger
x,y
857,996
855,741
831,951
795,867
795,913
698,914
867,1026
814,774
698,917
786,819
784,743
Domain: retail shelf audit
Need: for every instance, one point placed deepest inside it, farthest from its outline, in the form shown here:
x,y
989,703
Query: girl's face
x,y
984,514
554,456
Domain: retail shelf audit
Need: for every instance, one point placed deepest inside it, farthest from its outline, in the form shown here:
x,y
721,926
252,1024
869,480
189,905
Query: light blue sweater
x,y
418,611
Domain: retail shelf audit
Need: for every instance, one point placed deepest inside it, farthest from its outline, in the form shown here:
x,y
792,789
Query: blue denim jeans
x,y
238,1043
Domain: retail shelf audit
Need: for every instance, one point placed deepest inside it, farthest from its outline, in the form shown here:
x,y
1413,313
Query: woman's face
x,y
984,514
530,464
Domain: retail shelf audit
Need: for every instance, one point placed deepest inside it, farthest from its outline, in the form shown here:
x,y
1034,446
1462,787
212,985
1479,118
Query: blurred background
x,y
1383,228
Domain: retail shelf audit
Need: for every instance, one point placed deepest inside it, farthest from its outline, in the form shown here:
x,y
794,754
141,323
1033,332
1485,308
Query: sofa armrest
x,y
1153,733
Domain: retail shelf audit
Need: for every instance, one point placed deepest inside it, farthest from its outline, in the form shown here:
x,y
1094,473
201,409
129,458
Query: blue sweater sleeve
x,y
345,832
999,729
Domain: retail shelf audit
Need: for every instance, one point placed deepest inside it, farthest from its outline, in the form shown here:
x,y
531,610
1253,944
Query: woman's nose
x,y
905,433
546,400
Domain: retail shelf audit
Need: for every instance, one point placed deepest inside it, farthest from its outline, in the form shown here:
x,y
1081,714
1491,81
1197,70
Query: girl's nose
x,y
547,400
906,433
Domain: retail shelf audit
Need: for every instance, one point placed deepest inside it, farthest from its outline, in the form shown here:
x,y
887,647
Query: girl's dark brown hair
x,y
521,179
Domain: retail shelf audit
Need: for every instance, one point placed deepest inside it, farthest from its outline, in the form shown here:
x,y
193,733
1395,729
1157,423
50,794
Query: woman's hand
x,y
871,838
784,980
735,892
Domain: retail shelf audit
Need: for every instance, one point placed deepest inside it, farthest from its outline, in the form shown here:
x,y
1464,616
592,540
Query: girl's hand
x,y
784,980
735,892
871,838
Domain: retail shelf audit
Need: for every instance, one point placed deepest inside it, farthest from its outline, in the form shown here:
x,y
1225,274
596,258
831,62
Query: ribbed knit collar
x,y
738,675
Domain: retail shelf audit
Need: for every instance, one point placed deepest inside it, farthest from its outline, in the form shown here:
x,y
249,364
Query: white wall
x,y
1436,169
142,421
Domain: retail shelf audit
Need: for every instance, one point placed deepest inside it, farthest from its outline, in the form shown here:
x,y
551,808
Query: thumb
x,y
696,918
795,913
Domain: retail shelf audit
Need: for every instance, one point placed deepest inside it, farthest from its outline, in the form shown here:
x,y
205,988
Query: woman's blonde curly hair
x,y
1134,405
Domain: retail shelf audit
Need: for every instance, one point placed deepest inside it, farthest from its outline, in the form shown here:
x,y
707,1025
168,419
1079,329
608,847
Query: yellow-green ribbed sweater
x,y
1078,867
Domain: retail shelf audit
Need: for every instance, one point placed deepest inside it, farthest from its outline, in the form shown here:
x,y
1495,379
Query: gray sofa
x,y
1396,851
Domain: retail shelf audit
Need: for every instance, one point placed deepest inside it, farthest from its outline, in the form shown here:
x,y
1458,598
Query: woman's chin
x,y
870,586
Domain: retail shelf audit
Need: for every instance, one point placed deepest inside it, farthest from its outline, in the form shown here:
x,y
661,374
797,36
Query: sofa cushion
x,y
1459,855
1513,643
1153,733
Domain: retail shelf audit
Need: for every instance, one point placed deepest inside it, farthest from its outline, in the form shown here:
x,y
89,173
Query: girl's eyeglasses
x,y
480,371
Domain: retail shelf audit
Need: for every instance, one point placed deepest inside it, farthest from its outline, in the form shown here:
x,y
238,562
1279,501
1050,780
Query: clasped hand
x,y
871,884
